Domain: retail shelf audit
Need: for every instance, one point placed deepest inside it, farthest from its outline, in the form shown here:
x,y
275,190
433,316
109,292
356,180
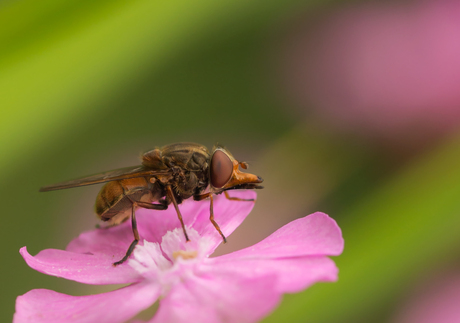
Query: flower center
x,y
174,257
172,261
186,255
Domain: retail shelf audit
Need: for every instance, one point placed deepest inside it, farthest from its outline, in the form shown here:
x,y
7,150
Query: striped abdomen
x,y
114,201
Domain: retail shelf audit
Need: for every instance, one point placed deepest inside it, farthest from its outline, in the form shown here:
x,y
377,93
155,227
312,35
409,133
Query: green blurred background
x,y
86,86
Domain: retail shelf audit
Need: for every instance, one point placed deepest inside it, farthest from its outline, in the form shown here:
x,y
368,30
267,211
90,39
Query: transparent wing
x,y
112,175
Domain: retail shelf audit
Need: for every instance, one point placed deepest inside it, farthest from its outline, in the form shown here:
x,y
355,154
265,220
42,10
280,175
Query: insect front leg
x,y
133,244
237,198
211,211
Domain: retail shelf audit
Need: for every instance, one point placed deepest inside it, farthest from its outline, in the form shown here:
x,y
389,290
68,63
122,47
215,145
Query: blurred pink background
x,y
386,70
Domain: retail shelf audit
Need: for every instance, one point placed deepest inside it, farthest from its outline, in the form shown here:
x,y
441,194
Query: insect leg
x,y
170,194
133,244
236,198
136,238
211,210
211,217
147,205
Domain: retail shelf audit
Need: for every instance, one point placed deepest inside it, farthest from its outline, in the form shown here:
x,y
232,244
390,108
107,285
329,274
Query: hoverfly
x,y
167,175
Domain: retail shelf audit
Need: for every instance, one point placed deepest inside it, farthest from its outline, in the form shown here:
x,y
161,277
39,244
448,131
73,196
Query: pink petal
x,y
112,241
314,235
292,274
42,305
227,213
153,225
225,298
83,268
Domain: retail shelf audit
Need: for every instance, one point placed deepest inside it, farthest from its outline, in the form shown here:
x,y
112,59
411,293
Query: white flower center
x,y
172,260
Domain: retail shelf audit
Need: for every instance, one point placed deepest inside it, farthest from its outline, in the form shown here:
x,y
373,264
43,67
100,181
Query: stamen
x,y
186,255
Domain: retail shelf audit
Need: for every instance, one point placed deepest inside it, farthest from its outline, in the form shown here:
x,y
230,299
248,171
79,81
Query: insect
x,y
168,175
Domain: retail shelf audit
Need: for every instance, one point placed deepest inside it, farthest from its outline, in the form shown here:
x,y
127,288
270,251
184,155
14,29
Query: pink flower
x,y
242,286
386,69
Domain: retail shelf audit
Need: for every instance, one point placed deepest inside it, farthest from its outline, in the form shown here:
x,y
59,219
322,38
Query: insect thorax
x,y
188,164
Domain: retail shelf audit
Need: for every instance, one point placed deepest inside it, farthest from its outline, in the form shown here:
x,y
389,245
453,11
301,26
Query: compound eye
x,y
221,169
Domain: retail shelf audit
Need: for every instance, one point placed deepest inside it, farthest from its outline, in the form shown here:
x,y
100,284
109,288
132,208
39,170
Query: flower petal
x,y
83,268
42,305
223,298
227,213
292,274
295,254
154,224
112,242
314,235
